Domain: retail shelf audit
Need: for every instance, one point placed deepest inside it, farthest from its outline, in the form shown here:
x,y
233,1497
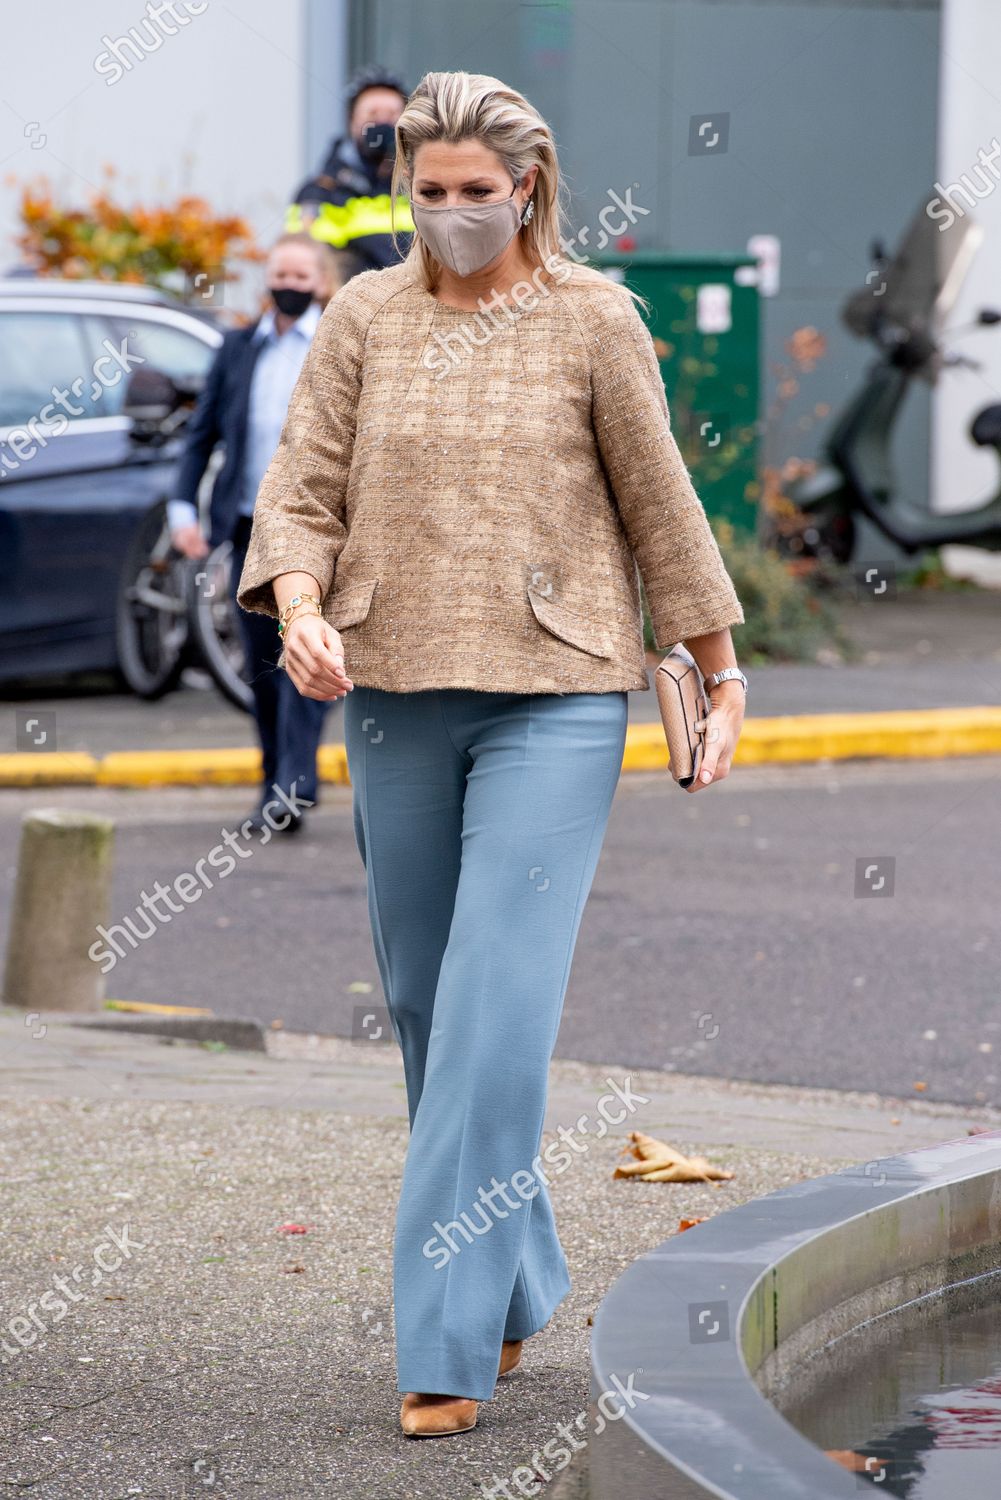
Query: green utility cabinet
x,y
704,319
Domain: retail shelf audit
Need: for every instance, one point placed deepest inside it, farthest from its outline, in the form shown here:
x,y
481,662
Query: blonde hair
x,y
334,270
454,107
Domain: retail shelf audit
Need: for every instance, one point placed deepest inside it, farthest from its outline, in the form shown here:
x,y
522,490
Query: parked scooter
x,y
901,310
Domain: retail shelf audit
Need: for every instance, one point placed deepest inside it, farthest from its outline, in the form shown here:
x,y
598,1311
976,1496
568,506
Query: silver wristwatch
x,y
725,676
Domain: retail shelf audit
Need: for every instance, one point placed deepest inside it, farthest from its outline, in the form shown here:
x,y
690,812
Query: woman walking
x,y
477,456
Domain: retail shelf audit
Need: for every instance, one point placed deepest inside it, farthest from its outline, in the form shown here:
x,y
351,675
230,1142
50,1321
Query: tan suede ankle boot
x,y
436,1416
510,1356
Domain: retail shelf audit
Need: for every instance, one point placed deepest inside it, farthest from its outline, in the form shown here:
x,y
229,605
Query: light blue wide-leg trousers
x,y
479,817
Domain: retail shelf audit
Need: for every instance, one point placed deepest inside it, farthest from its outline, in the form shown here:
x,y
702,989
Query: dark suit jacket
x,y
221,417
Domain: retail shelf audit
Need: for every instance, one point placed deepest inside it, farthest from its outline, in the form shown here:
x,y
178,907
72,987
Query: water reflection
x,y
911,1401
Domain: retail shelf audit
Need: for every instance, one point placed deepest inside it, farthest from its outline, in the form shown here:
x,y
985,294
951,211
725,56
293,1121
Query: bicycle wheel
x,y
151,612
215,628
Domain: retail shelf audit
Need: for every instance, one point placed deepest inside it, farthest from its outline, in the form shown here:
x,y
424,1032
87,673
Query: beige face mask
x,y
468,236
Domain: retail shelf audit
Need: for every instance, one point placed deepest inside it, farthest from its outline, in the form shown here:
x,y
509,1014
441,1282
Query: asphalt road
x,y
723,935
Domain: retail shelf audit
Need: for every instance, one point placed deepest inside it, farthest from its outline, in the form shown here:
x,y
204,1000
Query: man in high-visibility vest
x,y
347,205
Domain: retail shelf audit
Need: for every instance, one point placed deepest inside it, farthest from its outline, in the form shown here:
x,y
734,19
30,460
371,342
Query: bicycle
x,y
176,612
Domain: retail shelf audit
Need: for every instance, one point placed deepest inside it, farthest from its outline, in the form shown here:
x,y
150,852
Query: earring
x,y
529,211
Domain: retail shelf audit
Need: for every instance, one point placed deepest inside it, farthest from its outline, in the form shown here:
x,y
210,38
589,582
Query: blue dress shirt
x,y
275,373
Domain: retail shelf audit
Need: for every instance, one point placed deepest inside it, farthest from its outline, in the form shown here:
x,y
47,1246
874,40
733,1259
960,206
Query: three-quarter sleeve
x,y
688,589
299,513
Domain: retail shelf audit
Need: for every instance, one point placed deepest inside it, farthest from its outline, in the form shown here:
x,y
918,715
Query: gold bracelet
x,y
287,614
283,629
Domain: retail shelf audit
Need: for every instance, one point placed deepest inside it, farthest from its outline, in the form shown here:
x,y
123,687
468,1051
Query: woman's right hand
x,y
314,658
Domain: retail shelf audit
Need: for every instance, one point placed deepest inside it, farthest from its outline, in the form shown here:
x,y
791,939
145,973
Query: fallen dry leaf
x,y
684,1224
656,1161
689,1169
294,1228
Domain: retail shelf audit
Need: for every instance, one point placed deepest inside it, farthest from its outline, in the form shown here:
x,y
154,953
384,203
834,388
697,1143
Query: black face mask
x,y
290,300
377,142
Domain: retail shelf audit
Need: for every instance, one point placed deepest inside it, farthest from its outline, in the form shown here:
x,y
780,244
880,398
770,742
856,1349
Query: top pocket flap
x,y
349,605
586,634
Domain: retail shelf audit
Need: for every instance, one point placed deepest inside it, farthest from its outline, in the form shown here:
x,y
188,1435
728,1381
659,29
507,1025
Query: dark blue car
x,y
82,482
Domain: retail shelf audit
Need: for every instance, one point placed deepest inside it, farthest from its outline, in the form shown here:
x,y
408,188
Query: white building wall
x,y
215,109
970,121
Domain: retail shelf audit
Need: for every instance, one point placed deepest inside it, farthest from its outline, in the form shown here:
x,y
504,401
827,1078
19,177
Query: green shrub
x,y
928,572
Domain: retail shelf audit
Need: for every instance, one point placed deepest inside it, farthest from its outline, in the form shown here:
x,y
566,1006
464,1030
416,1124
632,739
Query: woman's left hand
x,y
723,725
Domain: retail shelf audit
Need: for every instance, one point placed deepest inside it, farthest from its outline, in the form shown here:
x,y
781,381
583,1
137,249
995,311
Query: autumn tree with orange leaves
x,y
170,247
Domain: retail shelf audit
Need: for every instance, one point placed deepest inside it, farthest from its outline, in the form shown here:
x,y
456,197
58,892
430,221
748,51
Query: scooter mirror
x,y
988,316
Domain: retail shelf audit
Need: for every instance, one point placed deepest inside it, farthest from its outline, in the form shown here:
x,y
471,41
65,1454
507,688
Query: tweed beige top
x,y
474,492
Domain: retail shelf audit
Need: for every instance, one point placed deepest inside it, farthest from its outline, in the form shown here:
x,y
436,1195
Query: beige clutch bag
x,y
683,704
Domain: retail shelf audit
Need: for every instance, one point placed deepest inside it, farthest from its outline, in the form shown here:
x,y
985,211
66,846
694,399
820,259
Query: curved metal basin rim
x,y
714,1319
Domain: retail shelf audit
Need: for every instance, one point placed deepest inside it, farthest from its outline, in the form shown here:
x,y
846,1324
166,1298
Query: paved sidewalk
x,y
220,1355
196,717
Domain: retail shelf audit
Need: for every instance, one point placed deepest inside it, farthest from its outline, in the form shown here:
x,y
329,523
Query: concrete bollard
x,y
62,891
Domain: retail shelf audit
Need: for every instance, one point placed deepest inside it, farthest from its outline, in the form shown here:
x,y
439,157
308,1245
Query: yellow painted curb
x,y
904,734
148,1008
899,734
332,764
235,767
43,769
